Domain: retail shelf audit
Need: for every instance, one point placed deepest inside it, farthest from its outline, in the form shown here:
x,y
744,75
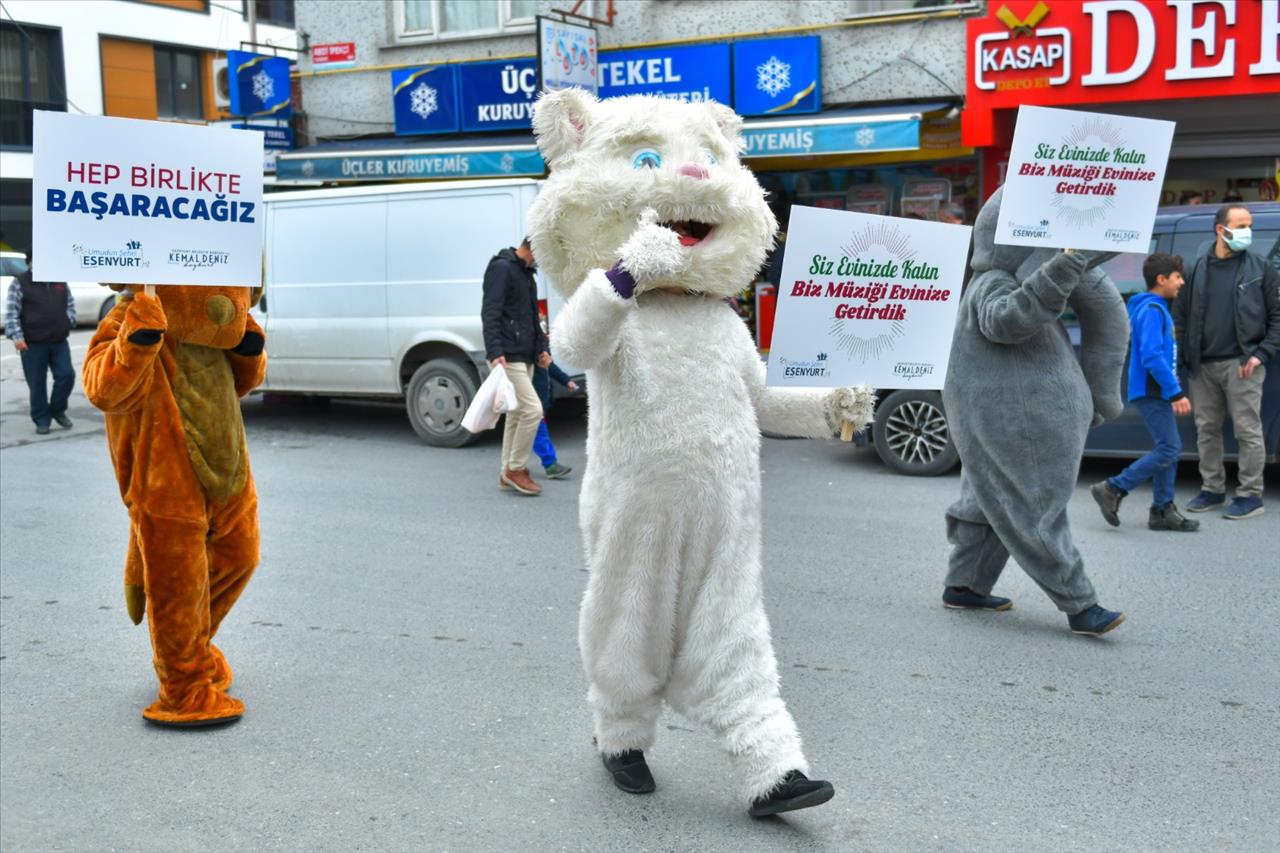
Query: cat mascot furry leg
x,y
647,222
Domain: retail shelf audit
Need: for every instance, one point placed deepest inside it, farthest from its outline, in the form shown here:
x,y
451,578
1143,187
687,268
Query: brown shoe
x,y
521,481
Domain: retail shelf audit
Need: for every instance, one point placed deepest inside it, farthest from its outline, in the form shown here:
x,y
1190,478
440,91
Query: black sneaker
x,y
795,791
1167,517
1094,622
42,430
963,598
63,421
1108,498
630,772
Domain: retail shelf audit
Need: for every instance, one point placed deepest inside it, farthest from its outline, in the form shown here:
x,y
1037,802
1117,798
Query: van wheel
x,y
107,305
912,436
436,399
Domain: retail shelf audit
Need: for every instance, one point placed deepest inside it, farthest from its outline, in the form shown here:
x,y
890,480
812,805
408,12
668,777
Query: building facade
x,y
147,59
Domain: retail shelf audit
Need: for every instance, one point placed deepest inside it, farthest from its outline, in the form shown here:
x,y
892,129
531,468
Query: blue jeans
x,y
38,361
1160,465
542,445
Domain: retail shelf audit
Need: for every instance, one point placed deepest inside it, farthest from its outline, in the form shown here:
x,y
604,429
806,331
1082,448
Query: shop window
x,y
879,8
277,12
31,78
444,19
178,84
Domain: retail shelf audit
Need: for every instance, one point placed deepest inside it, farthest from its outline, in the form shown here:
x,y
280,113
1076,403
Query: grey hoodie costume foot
x,y
1019,405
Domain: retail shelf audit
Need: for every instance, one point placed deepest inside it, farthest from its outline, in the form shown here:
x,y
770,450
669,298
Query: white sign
x,y
1081,180
145,202
567,55
866,300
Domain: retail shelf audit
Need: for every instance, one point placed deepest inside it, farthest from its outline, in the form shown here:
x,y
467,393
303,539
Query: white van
x,y
376,291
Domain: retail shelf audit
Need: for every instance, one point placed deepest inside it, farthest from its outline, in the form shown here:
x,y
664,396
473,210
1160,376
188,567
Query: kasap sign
x,y
866,300
259,84
1083,180
142,202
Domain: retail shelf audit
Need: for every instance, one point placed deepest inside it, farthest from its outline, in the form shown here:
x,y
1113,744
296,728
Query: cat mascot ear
x,y
730,124
560,123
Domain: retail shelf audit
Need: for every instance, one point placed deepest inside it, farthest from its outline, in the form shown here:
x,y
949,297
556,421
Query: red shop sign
x,y
1100,51
338,55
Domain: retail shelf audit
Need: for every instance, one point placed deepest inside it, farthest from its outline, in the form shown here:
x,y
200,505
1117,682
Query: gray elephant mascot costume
x,y
1019,404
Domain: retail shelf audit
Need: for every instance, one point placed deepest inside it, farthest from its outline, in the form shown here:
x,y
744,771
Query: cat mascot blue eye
x,y
646,158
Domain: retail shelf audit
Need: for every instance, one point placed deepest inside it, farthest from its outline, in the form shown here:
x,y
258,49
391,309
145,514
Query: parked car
x,y
93,300
375,292
910,431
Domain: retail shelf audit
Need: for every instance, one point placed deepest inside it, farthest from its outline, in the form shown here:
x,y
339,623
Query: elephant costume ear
x,y
987,253
560,123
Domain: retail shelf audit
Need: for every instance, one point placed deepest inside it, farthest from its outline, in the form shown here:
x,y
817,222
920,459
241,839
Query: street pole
x,y
253,22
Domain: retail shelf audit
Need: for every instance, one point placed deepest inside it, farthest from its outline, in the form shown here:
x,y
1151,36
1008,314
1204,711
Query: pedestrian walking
x,y
543,447
38,317
513,338
1228,321
1156,392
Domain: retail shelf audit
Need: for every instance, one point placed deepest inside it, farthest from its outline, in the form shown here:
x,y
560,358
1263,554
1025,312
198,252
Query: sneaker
x,y
963,598
521,481
1206,501
63,421
1094,621
629,771
42,430
1167,517
1242,508
795,791
1108,498
556,471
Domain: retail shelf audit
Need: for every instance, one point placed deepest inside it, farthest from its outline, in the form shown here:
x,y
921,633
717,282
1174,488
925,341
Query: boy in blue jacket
x,y
1155,391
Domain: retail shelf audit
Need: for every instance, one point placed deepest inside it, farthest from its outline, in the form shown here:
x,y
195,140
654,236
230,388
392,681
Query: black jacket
x,y
1257,310
509,313
44,316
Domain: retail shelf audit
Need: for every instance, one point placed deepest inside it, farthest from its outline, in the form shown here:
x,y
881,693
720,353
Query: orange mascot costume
x,y
169,370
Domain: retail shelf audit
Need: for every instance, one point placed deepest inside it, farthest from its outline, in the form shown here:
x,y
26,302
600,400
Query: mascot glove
x,y
850,405
251,344
144,321
652,254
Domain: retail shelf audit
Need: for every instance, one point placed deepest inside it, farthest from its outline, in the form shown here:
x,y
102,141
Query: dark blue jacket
x,y
542,383
1153,350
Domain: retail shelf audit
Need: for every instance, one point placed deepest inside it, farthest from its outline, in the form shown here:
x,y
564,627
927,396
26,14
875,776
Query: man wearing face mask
x,y
1228,320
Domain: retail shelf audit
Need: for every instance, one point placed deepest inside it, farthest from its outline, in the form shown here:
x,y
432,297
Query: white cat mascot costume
x,y
647,222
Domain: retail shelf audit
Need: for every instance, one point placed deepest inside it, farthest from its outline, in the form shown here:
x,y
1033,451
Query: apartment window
x,y
30,79
278,12
876,8
460,18
178,84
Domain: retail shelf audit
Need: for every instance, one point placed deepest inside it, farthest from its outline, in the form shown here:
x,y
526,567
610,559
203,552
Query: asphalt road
x,y
407,653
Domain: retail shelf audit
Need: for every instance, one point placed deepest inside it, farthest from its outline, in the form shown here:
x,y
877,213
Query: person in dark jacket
x,y
1156,392
542,446
513,338
1228,322
38,317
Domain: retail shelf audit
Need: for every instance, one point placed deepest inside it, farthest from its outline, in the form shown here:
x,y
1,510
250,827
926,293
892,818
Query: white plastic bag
x,y
495,396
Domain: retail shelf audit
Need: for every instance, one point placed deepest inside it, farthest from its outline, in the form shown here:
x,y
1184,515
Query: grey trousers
x,y
1217,391
985,529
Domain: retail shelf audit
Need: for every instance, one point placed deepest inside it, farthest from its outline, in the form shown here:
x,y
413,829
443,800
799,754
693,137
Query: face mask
x,y
1240,239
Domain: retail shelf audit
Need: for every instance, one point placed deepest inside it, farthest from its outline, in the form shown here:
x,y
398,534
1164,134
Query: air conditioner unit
x,y
221,84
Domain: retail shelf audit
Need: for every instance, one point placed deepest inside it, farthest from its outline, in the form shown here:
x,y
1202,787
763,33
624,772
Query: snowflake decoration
x,y
308,168
508,163
263,86
423,101
865,136
773,77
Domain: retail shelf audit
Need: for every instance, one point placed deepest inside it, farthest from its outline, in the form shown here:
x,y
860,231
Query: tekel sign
x,y
1102,51
425,100
777,76
259,84
697,72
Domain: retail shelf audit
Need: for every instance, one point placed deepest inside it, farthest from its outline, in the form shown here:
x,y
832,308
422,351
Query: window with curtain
x,y
278,12
863,8
178,84
457,17
31,78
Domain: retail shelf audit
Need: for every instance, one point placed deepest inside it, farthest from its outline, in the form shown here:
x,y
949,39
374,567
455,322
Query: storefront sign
x,y
830,136
773,76
259,84
274,137
866,300
425,100
1102,51
1083,180
145,202
498,95
693,73
566,55
325,57
412,165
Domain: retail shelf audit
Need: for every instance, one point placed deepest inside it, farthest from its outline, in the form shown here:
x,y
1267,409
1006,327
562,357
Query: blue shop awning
x,y
400,159
850,131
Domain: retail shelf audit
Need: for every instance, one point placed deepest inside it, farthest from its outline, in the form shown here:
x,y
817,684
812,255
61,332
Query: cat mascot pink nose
x,y
693,170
